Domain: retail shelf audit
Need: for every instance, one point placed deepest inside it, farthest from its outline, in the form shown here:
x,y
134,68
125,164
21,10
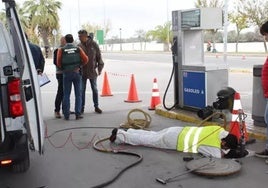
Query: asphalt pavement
x,y
70,161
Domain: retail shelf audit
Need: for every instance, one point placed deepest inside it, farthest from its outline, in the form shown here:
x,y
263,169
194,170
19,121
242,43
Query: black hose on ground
x,y
108,182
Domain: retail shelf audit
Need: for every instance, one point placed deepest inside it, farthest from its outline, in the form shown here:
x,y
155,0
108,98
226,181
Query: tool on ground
x,y
167,180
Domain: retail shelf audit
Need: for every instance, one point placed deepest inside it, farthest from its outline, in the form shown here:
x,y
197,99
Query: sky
x,y
129,15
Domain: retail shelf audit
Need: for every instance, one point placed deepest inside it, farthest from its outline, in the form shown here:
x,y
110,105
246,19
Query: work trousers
x,y
93,84
70,78
266,122
165,139
59,95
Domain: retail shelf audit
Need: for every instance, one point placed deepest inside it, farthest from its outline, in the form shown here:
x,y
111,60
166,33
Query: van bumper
x,y
17,149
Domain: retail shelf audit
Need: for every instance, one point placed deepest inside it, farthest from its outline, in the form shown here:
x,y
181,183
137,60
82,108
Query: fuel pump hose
x,y
101,149
164,97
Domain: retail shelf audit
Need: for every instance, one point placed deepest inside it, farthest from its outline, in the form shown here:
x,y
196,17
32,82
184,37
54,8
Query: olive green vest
x,y
70,57
191,138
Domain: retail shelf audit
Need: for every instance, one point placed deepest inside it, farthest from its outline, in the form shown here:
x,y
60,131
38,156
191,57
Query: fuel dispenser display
x,y
196,81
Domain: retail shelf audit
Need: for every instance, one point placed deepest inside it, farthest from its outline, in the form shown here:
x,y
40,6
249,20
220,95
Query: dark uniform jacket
x,y
95,62
38,57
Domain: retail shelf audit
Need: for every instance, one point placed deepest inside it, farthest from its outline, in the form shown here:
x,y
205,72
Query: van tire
x,y
22,165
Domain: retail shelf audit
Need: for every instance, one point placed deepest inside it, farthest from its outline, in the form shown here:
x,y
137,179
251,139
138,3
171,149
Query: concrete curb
x,y
258,133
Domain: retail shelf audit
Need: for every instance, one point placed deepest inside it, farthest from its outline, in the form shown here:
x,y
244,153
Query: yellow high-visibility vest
x,y
191,138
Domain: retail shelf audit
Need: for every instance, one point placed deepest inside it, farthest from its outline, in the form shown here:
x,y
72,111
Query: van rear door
x,y
30,85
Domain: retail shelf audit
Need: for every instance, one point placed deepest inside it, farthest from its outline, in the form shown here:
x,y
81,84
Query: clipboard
x,y
43,79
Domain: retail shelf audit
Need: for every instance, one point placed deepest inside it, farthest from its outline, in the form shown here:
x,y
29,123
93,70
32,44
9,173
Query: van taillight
x,y
14,98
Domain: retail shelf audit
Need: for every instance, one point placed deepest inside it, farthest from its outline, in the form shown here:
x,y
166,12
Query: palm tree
x,y
43,16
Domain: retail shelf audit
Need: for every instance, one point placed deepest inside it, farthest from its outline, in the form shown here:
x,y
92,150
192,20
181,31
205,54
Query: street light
x,y
54,33
120,29
167,25
79,21
225,30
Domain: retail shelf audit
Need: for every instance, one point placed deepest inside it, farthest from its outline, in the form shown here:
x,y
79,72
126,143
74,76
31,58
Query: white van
x,y
21,122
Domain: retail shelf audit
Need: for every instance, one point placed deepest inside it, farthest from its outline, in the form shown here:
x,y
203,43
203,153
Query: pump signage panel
x,y
194,89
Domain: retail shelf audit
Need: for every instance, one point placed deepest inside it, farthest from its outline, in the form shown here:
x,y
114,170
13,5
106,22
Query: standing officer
x,y
69,59
91,70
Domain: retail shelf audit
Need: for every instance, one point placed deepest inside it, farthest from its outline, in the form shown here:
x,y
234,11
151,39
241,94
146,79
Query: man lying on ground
x,y
211,141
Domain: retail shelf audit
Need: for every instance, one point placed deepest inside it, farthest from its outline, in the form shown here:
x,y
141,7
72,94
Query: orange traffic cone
x,y
237,125
106,91
155,99
132,93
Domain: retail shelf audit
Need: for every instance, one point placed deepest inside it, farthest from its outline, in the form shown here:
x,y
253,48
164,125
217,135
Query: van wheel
x,y
22,165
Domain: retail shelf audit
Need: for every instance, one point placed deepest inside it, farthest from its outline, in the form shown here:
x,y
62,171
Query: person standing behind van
x,y
70,58
59,77
38,58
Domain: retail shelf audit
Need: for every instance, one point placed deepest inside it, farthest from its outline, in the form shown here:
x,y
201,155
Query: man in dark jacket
x,y
92,69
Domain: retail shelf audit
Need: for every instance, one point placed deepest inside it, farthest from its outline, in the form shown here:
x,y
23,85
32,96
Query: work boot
x,y
98,110
263,154
57,115
113,136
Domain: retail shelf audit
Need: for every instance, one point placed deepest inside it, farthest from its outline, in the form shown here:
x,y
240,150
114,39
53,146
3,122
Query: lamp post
x,y
120,39
225,40
79,21
168,25
54,33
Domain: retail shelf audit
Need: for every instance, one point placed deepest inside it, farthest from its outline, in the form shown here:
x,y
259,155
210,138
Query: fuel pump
x,y
196,82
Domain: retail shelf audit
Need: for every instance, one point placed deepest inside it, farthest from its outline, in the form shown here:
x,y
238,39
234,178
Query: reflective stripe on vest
x,y
70,57
191,138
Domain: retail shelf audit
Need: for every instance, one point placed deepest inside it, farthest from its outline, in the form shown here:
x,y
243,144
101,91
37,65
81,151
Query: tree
x,y
256,11
43,17
210,3
161,34
91,28
240,20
